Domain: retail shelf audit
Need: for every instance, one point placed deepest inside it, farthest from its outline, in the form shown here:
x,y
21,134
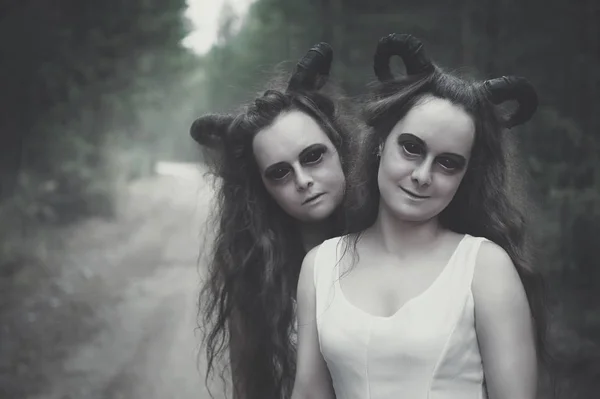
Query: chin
x,y
318,215
415,218
410,214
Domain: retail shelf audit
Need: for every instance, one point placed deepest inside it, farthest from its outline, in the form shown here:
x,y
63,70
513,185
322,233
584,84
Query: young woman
x,y
438,298
282,165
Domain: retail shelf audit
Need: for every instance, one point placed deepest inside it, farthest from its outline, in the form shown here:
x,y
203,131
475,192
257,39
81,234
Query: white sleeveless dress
x,y
427,350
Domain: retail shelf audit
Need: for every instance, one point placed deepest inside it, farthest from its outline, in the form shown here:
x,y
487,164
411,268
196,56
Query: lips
x,y
413,194
311,199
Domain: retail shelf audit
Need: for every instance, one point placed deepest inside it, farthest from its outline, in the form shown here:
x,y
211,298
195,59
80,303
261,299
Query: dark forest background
x,y
94,93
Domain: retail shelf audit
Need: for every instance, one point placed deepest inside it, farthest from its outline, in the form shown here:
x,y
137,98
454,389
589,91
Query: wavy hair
x,y
247,303
491,201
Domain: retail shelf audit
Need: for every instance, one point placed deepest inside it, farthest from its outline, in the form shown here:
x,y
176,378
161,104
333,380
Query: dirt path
x,y
135,281
113,312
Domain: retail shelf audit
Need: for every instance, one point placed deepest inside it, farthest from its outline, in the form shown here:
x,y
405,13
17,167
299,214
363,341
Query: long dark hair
x,y
490,201
253,270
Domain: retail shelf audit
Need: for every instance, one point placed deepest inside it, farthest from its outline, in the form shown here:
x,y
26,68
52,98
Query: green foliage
x,y
97,90
93,89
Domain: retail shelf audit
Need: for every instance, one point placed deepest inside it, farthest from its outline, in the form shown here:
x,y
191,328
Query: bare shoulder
x,y
504,326
492,253
495,278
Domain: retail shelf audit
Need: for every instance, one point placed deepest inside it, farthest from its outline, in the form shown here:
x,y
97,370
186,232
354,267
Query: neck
x,y
401,237
314,233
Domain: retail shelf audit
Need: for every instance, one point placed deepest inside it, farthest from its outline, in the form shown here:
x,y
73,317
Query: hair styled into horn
x,y
515,88
312,70
311,74
406,46
209,130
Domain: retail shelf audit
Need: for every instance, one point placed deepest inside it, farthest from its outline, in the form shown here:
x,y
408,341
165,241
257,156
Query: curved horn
x,y
313,69
515,88
209,130
408,47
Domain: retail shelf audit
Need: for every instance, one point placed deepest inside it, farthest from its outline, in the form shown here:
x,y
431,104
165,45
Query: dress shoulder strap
x,y
326,259
469,255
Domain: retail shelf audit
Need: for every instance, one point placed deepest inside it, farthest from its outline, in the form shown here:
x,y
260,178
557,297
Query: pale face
x,y
300,167
424,159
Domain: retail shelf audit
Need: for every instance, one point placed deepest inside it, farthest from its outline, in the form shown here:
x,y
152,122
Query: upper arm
x,y
504,325
312,375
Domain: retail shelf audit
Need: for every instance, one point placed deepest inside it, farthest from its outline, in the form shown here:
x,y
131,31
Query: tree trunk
x,y
333,33
467,35
492,34
327,17
592,76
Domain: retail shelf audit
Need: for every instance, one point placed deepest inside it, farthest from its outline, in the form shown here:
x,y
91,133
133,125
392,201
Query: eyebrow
x,y
424,144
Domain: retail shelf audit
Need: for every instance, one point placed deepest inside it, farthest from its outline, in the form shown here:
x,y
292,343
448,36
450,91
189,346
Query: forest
x,y
94,93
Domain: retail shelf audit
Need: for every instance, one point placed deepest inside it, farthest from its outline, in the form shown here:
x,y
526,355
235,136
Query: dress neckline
x,y
435,282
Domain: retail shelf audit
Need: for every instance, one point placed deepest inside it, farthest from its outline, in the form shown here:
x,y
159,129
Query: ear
x,y
209,130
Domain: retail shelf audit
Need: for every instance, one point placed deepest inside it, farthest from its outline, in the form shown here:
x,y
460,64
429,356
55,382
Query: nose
x,y
303,180
421,175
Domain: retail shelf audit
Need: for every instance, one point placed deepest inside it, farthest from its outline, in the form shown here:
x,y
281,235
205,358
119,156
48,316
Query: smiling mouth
x,y
414,195
311,199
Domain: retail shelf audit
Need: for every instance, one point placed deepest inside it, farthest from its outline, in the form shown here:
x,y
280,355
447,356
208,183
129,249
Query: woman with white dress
x,y
435,297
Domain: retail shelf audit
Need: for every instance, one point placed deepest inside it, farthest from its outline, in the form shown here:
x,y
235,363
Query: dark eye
x,y
313,156
278,173
412,148
449,164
